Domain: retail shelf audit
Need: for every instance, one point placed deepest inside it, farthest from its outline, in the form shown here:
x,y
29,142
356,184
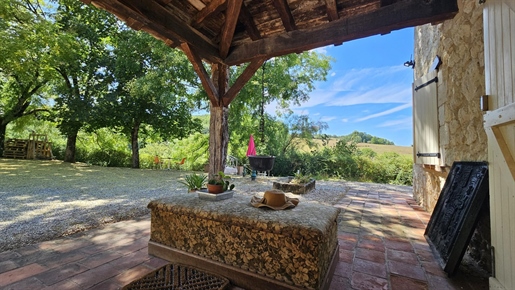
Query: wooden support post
x,y
218,124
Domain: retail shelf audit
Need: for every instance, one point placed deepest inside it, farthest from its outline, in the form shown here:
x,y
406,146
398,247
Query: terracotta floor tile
x,y
7,266
403,283
371,245
407,270
434,269
405,257
370,255
368,282
63,285
19,274
59,259
94,276
347,245
134,246
426,256
8,255
340,283
132,274
26,284
55,275
100,259
27,250
72,244
156,263
348,237
346,255
369,267
398,244
109,284
34,257
343,269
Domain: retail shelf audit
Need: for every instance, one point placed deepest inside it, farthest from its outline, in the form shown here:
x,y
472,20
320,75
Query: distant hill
x,y
378,148
362,137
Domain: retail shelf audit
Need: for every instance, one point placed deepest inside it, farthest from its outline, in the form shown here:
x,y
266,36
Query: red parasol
x,y
251,150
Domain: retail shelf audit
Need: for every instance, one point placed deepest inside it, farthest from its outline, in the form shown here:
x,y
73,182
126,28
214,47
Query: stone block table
x,y
254,248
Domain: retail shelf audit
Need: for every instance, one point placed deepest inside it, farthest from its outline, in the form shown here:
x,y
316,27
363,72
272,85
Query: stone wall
x,y
459,44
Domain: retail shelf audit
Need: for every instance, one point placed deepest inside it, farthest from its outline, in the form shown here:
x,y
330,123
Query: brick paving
x,y
381,247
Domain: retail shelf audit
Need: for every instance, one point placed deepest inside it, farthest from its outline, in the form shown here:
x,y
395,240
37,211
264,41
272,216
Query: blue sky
x,y
368,88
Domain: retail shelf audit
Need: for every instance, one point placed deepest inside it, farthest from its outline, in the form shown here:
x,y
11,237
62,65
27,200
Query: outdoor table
x,y
255,248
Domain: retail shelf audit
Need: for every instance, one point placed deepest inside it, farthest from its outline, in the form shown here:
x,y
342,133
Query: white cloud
x,y
333,74
327,118
345,120
364,86
405,123
384,113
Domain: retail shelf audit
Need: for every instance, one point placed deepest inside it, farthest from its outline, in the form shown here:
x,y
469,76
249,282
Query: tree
x,y
30,43
153,85
285,80
84,67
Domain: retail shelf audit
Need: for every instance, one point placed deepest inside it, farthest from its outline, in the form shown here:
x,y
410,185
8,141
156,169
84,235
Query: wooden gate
x,y
499,38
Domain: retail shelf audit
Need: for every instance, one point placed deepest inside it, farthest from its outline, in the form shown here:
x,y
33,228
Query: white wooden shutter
x,y
425,115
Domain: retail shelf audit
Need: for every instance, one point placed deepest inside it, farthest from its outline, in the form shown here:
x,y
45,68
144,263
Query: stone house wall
x,y
459,44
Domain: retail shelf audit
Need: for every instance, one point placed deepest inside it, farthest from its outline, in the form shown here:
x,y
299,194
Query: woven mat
x,y
173,276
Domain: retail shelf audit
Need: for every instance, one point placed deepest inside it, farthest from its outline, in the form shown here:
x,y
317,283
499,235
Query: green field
x,y
401,150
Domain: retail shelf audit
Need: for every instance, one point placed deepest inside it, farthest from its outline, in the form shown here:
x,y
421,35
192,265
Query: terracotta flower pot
x,y
215,188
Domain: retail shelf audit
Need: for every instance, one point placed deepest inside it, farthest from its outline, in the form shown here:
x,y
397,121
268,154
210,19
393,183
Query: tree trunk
x,y
3,129
69,154
218,123
135,145
218,139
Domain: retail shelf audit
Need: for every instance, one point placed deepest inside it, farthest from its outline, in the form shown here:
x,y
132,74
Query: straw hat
x,y
274,199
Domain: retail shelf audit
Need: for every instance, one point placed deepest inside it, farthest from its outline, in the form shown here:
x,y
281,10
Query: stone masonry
x,y
459,44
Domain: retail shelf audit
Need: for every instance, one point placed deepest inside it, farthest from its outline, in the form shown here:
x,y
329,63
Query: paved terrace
x,y
381,247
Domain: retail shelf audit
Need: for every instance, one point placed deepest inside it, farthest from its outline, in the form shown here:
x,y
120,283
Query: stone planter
x,y
296,188
205,195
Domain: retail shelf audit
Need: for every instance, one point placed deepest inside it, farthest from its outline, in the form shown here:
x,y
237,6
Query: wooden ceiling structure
x,y
233,32
224,33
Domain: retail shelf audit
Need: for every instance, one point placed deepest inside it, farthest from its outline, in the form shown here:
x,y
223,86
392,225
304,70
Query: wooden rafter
x,y
285,13
231,18
199,68
332,10
380,21
160,20
213,8
242,80
247,20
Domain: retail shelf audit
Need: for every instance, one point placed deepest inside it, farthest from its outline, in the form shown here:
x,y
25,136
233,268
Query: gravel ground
x,y
44,200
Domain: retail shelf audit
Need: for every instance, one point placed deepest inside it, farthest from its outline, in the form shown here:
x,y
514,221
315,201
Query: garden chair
x,y
158,164
179,164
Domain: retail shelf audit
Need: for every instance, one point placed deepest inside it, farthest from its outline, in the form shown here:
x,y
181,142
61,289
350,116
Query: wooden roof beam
x,y
171,27
231,19
285,13
392,17
240,82
213,8
199,68
332,10
248,21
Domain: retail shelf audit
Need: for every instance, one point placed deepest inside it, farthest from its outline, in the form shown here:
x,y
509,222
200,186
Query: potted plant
x,y
194,182
219,183
298,184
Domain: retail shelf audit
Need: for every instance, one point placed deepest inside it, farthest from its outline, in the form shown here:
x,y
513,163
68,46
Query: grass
x,y
378,148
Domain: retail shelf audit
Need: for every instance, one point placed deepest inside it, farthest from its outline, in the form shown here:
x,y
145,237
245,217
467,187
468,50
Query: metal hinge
x,y
428,154
434,80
